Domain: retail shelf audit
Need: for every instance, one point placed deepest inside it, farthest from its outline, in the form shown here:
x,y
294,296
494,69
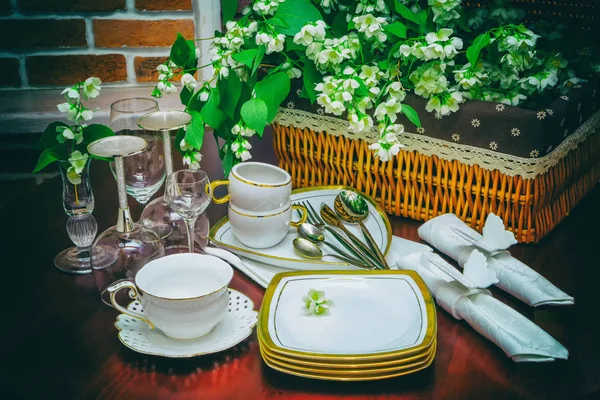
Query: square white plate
x,y
375,313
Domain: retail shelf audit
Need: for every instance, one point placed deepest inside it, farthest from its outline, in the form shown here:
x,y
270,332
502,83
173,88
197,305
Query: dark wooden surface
x,y
59,342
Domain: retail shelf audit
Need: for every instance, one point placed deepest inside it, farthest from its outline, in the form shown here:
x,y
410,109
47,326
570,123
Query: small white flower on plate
x,y
515,131
438,115
549,149
566,98
534,153
290,104
578,106
421,130
493,145
562,122
541,115
321,111
455,137
299,92
550,112
500,107
476,123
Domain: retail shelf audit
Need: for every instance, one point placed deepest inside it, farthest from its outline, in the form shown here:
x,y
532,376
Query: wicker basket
x,y
420,186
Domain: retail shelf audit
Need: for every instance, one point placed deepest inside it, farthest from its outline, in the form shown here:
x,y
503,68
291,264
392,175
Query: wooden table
x,y
59,342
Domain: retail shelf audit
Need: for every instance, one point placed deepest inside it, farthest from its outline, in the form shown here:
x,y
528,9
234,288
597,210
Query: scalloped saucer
x,y
232,329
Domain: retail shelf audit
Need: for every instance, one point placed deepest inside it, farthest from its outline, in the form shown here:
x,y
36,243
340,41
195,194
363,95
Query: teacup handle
x,y
133,293
304,215
216,184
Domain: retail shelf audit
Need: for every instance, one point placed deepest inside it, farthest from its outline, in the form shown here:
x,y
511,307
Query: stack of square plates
x,y
380,324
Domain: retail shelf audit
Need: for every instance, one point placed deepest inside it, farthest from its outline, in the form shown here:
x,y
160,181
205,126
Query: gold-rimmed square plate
x,y
376,316
283,255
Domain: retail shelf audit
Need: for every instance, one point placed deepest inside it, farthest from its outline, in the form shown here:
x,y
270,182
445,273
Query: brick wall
x,y
47,43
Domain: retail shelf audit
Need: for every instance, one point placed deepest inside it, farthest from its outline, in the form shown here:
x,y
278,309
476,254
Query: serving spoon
x,y
352,208
309,250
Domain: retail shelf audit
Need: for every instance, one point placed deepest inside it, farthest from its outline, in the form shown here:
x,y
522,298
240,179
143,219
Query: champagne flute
x,y
188,193
144,172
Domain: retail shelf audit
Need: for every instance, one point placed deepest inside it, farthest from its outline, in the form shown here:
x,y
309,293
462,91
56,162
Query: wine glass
x,y
188,193
144,172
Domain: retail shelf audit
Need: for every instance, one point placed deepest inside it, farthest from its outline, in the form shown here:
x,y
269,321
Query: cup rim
x,y
153,263
286,182
260,214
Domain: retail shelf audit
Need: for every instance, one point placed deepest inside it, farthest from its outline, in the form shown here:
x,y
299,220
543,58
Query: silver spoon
x,y
316,236
308,249
352,208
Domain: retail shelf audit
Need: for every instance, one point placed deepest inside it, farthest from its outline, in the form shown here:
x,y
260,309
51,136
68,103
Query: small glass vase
x,y
78,203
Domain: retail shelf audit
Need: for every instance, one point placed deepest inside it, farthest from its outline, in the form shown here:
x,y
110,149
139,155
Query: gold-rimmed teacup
x,y
262,230
256,186
183,295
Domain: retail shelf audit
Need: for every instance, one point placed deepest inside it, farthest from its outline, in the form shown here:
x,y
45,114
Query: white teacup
x,y
184,295
263,230
256,186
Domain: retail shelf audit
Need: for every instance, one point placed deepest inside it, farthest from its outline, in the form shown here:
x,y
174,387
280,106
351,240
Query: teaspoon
x,y
309,250
316,236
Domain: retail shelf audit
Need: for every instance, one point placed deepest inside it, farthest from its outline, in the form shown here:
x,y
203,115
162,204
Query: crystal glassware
x,y
126,247
144,172
188,193
78,203
158,215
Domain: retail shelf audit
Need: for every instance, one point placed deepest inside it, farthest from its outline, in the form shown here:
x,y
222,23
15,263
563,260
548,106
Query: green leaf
x,y
94,132
211,113
310,77
254,112
47,157
277,22
422,21
406,13
227,161
273,90
296,14
475,49
195,131
260,53
411,114
185,95
245,57
48,139
192,61
397,29
339,26
228,9
180,51
229,92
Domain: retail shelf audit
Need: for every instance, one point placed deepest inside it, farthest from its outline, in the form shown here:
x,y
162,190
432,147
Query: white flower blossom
x,y
91,87
310,32
390,109
188,81
371,26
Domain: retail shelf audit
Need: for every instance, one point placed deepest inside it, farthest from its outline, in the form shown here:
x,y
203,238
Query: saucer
x,y
235,326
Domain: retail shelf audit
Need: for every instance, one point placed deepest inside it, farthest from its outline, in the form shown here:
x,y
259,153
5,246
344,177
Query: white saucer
x,y
234,327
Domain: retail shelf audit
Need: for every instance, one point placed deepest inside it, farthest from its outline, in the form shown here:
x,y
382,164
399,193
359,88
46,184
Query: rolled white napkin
x,y
514,277
517,336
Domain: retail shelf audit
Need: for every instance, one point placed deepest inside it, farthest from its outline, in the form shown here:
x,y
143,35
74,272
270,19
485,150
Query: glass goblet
x,y
188,193
144,172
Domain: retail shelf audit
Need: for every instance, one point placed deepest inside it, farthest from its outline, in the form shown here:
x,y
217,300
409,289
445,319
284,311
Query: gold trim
x,y
264,185
301,362
225,219
259,216
430,333
365,377
250,328
189,298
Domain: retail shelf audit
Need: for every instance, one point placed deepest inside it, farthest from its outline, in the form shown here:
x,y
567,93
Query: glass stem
x,y
189,224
